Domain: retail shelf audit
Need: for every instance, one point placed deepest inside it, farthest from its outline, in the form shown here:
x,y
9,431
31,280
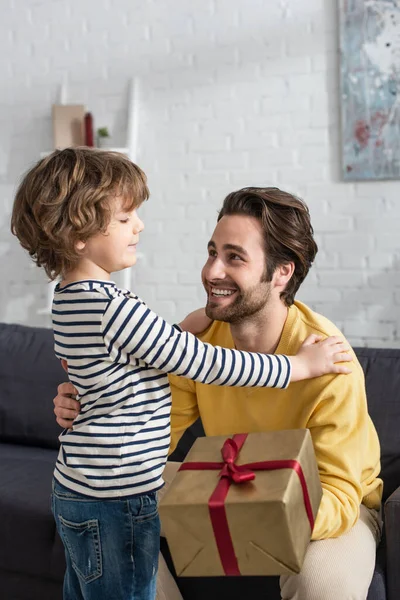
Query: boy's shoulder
x,y
92,289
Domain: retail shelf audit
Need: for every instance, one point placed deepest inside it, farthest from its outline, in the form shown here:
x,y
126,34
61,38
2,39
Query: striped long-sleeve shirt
x,y
119,353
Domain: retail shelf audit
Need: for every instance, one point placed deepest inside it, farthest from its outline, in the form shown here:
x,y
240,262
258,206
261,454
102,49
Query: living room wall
x,y
232,93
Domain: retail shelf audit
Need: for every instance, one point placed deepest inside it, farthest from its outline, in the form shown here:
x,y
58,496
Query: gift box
x,y
244,505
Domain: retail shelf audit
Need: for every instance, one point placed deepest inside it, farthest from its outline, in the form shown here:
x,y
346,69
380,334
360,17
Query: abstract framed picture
x,y
370,88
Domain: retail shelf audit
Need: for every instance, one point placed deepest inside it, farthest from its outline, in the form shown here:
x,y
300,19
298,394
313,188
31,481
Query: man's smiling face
x,y
234,274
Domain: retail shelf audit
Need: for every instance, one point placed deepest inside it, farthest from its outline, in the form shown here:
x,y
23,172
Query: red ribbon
x,y
233,473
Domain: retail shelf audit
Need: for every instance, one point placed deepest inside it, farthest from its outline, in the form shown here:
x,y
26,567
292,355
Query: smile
x,y
218,292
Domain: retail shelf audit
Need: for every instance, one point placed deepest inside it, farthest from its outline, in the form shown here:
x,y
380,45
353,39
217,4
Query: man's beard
x,y
246,304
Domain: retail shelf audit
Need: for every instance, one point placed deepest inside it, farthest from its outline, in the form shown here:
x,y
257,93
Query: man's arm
x,y
66,408
345,444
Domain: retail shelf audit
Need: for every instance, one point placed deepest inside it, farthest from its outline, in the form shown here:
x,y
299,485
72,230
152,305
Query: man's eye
x,y
235,257
212,253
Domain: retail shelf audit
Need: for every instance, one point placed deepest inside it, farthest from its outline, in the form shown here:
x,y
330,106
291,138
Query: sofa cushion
x,y
382,378
29,541
29,375
18,586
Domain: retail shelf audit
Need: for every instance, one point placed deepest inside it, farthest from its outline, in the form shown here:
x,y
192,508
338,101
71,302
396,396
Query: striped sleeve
x,y
132,331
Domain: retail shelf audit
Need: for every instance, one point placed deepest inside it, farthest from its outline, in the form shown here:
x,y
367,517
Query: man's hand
x,y
66,408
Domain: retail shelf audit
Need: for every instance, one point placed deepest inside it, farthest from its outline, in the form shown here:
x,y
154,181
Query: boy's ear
x,y
80,245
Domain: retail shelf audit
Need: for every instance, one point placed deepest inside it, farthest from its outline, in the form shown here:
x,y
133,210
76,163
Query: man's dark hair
x,y
287,229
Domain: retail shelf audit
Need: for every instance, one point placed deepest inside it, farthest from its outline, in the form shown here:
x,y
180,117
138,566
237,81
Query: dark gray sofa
x,y
31,554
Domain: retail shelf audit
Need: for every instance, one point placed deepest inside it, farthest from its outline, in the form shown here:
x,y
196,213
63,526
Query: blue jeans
x,y
111,546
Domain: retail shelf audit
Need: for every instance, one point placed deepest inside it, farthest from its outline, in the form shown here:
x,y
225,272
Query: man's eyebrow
x,y
236,248
233,247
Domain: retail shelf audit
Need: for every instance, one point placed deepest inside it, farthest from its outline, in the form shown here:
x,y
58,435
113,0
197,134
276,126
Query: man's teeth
x,y
217,292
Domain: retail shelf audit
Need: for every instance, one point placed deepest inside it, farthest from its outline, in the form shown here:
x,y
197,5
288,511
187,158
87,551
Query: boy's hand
x,y
66,408
196,322
317,358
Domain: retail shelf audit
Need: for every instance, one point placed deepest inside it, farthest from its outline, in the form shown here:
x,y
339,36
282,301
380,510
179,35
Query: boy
x,y
75,212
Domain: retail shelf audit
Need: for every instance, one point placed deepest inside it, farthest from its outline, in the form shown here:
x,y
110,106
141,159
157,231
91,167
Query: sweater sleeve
x,y
341,435
184,408
131,331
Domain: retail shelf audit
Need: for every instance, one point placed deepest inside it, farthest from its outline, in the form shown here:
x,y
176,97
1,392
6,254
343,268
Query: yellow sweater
x,y
332,407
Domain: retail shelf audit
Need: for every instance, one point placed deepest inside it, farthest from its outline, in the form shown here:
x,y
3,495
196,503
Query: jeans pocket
x,y
82,541
144,508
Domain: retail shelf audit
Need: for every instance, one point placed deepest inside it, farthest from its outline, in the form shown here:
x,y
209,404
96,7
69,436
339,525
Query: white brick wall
x,y
234,93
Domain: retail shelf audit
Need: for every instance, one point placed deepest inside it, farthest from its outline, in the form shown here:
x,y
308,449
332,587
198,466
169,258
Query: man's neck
x,y
262,332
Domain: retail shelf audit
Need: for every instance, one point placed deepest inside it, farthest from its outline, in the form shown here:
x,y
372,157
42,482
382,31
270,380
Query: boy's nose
x,y
138,225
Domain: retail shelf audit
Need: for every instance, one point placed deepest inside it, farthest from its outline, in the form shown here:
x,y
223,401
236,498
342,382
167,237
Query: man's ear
x,y
80,245
283,274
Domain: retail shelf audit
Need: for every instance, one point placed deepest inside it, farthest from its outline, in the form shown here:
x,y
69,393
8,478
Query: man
x,y
259,254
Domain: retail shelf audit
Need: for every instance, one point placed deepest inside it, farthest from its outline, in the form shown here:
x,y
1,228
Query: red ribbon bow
x,y
231,472
230,452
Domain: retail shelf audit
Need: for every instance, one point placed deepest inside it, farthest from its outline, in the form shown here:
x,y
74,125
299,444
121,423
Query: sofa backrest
x,y
29,375
382,379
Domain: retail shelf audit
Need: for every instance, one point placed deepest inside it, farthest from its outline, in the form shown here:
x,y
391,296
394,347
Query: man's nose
x,y
216,270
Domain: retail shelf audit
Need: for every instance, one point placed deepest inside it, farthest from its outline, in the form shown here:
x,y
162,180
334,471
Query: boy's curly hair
x,y
65,198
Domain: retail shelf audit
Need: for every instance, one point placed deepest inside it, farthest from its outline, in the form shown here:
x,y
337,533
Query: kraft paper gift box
x,y
244,505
